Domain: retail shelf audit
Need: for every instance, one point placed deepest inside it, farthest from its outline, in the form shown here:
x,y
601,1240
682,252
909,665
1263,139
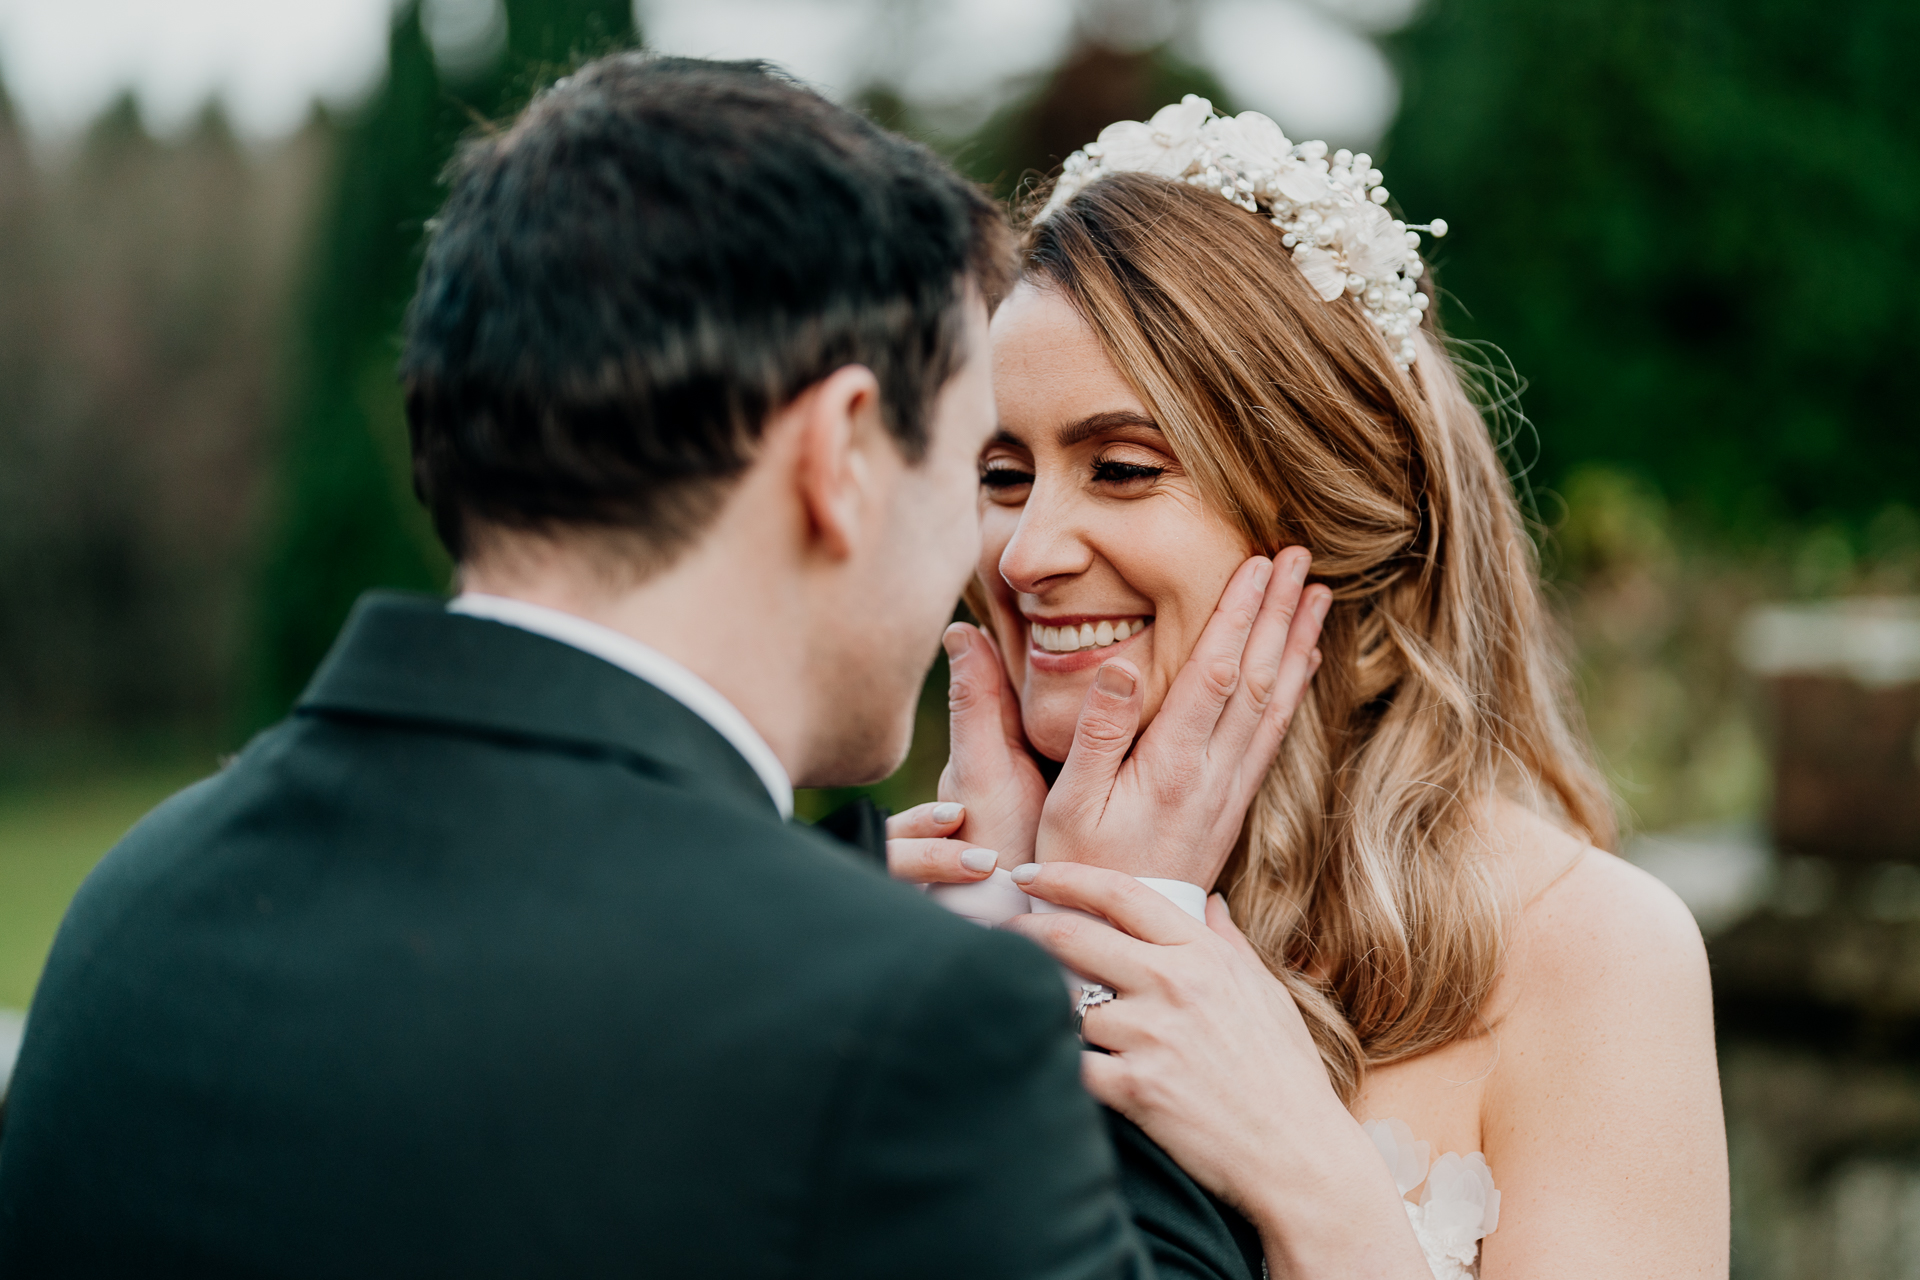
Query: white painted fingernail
x,y
947,813
978,859
1026,872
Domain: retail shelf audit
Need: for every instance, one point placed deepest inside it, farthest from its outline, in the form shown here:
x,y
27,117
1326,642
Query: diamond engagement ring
x,y
1090,995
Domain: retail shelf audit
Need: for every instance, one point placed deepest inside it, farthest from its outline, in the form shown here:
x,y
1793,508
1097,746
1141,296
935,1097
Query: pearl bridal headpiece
x,y
1342,240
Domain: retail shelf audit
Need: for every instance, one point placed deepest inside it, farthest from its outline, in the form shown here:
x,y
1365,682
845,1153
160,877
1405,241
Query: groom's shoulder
x,y
580,877
605,855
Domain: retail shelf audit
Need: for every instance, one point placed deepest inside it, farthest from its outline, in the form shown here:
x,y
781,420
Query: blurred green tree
x,y
346,519
1694,225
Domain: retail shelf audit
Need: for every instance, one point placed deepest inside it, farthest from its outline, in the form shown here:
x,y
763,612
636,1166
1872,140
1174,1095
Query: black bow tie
x,y
862,824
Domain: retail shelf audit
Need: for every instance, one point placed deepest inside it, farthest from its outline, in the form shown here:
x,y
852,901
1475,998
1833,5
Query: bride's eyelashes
x,y
1125,475
1005,481
1009,480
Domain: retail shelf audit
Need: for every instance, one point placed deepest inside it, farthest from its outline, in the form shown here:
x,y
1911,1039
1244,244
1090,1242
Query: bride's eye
x,y
1004,481
1125,475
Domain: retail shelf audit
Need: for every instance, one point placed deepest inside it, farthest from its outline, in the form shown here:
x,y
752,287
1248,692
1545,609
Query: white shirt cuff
x,y
997,899
989,902
1190,898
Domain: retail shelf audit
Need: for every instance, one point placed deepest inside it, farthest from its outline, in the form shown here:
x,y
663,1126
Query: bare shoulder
x,y
1604,1004
1592,932
1602,1119
1608,934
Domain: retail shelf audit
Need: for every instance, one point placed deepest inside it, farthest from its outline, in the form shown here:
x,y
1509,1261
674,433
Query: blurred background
x,y
1685,252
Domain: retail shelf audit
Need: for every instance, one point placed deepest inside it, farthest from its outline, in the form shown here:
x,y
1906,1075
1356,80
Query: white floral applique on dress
x,y
1457,1207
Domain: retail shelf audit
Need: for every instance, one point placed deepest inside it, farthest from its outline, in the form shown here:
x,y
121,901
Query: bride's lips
x,y
1058,663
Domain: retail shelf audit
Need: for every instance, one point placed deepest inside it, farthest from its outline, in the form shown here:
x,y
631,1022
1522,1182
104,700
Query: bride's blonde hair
x,y
1361,874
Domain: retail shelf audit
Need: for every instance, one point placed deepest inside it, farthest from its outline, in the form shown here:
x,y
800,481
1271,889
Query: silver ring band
x,y
1091,995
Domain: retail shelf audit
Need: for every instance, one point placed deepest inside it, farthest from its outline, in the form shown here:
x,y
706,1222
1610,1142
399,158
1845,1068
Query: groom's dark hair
x,y
656,255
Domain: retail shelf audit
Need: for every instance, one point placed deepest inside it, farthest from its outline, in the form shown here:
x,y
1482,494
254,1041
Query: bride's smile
x,y
1051,637
1096,542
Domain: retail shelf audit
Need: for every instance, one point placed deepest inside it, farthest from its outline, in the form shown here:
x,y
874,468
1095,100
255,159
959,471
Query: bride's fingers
x,y
1263,664
1011,726
1110,1081
1134,1023
1114,895
938,861
1186,720
1298,663
924,821
976,685
1091,948
1109,716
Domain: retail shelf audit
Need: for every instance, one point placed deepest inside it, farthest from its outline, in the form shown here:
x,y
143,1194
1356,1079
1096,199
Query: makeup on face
x,y
1096,544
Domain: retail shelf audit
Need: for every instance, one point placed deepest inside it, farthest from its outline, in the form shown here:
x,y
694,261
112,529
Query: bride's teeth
x,y
1087,635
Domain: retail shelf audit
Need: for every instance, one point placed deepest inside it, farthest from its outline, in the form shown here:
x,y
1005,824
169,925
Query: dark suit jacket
x,y
496,960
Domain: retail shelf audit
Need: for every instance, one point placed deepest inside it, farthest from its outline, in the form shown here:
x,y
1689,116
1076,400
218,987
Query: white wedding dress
x,y
1457,1207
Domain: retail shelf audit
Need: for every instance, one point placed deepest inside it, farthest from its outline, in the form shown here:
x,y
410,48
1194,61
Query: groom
x,y
501,956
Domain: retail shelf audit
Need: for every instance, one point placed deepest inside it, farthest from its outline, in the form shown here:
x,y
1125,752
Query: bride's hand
x,y
989,769
1210,1056
1172,804
921,848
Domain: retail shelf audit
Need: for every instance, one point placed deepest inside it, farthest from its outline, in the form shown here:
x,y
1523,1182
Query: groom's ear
x,y
838,428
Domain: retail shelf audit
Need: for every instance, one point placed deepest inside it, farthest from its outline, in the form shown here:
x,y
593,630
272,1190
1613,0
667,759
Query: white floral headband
x,y
1342,240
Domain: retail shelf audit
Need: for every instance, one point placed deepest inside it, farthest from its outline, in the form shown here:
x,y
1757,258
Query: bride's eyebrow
x,y
1093,424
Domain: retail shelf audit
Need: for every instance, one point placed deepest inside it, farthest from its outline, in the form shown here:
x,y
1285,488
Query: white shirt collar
x,y
648,663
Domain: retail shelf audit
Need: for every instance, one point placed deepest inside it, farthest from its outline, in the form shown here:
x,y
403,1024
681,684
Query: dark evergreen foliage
x,y
1694,225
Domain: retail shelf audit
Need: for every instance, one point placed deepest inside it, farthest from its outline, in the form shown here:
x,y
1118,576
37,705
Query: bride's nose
x,y
1046,547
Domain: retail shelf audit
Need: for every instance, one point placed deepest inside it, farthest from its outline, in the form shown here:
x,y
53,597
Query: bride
x,y
1427,1026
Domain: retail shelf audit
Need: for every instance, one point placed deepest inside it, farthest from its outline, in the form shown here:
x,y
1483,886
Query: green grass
x,y
50,837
